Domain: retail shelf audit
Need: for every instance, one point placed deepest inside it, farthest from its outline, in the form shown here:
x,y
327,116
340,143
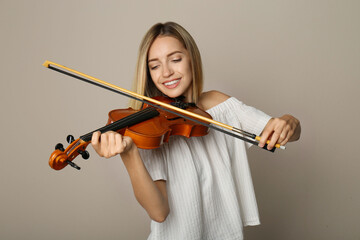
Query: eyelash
x,y
174,60
153,68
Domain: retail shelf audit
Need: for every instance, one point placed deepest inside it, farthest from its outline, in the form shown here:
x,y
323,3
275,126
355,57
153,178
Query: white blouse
x,y
208,180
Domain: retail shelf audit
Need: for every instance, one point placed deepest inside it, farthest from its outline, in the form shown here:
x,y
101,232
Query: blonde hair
x,y
142,82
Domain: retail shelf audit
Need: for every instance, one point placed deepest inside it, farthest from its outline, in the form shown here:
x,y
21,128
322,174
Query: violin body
x,y
149,128
153,132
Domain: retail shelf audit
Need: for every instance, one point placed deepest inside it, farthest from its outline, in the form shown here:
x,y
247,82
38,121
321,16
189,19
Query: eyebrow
x,y
172,53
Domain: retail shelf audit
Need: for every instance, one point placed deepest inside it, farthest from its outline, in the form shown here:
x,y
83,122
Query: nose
x,y
167,70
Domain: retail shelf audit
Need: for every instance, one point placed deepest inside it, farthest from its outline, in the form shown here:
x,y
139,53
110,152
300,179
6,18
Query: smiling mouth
x,y
172,83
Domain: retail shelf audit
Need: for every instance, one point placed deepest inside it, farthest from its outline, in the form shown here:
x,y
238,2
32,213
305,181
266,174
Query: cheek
x,y
189,71
153,77
188,68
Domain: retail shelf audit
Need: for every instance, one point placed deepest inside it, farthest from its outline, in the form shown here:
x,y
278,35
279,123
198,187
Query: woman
x,y
200,187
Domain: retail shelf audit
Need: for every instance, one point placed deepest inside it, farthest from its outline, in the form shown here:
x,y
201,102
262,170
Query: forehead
x,y
164,45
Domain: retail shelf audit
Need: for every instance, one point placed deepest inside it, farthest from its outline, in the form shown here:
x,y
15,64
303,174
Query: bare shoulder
x,y
211,99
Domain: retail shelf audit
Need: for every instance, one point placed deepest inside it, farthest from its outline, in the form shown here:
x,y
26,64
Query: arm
x,y
280,130
151,195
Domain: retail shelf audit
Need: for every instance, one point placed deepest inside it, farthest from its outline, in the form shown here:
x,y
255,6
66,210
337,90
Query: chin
x,y
173,94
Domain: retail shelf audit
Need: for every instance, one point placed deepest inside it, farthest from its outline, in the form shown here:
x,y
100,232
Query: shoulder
x,y
211,98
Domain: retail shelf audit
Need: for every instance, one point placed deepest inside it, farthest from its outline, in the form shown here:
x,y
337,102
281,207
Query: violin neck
x,y
127,121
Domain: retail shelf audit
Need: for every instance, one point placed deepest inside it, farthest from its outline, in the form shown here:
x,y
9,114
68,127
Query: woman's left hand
x,y
280,130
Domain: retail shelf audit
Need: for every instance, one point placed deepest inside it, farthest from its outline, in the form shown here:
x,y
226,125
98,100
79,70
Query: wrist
x,y
129,152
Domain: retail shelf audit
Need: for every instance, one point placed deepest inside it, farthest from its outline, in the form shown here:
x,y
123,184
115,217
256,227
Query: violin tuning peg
x,y
72,164
85,154
60,147
70,139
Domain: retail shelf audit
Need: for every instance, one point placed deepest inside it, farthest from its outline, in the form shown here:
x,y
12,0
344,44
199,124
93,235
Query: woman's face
x,y
170,68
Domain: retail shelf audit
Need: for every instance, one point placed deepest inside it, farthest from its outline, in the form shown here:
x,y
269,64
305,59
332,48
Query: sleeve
x,y
155,162
251,119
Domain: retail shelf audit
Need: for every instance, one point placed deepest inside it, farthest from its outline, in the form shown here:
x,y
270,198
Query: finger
x,y
95,138
104,144
265,136
285,141
282,136
127,141
286,133
112,144
273,140
95,141
119,143
111,138
287,138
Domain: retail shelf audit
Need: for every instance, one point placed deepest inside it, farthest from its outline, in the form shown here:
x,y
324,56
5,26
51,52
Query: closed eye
x,y
154,67
177,60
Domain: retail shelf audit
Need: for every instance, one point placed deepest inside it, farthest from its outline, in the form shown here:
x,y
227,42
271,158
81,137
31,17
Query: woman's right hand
x,y
111,143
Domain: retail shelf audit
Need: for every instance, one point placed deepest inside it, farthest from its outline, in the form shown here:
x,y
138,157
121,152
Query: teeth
x,y
171,83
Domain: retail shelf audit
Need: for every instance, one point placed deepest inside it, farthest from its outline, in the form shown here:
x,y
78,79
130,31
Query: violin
x,y
148,127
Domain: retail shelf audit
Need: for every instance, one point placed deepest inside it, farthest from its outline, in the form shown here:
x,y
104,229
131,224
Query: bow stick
x,y
167,107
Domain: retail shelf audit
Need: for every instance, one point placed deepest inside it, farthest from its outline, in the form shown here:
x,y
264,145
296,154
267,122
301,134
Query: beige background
x,y
298,57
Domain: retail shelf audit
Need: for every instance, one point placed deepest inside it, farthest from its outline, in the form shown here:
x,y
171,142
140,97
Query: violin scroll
x,y
61,157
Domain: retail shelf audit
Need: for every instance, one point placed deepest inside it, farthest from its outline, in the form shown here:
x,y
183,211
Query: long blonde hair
x,y
142,82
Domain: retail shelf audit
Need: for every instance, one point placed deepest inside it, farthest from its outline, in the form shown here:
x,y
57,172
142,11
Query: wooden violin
x,y
148,128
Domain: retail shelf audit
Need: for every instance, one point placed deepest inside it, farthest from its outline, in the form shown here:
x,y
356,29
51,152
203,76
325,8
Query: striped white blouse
x,y
209,185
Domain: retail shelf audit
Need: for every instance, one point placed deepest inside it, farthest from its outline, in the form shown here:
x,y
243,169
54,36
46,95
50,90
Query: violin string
x,y
113,126
156,106
126,121
129,120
